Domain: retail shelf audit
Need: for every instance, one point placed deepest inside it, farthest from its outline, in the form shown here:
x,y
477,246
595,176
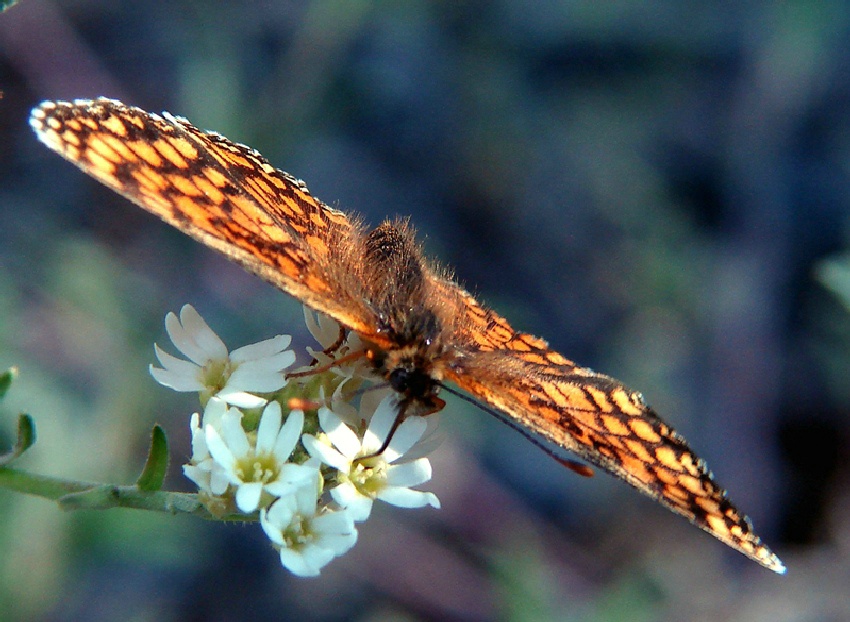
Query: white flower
x,y
307,538
255,468
326,331
324,328
256,368
385,476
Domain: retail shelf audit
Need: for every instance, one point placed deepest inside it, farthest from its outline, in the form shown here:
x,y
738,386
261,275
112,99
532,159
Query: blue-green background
x,y
650,186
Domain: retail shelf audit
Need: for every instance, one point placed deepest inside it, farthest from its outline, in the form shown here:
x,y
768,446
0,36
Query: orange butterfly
x,y
421,329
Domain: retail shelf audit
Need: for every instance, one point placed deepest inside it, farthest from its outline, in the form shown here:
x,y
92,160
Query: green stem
x,y
39,485
77,495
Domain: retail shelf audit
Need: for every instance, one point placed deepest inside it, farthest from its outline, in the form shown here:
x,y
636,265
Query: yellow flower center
x,y
298,534
369,476
257,468
216,373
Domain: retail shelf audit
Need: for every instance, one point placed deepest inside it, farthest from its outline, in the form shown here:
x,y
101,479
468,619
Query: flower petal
x,y
405,437
183,341
176,373
200,451
218,448
380,425
282,511
214,412
431,439
371,400
409,473
254,376
293,476
219,480
240,399
269,428
273,533
277,518
324,329
296,563
307,495
334,523
289,434
407,498
176,382
279,488
335,531
358,506
325,453
248,496
233,433
201,477
339,434
201,335
338,543
174,364
263,349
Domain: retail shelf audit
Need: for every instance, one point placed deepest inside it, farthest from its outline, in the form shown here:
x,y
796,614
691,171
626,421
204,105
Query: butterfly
x,y
421,329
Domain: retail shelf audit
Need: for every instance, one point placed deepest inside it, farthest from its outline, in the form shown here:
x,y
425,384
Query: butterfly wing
x,y
223,194
599,419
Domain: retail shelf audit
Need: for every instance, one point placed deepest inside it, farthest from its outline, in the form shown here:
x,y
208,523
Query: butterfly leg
x,y
351,356
336,345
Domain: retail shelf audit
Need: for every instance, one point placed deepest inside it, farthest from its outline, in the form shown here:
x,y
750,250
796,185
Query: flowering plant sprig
x,y
251,454
295,450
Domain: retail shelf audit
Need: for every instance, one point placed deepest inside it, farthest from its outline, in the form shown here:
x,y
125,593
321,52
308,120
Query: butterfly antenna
x,y
399,417
401,414
573,465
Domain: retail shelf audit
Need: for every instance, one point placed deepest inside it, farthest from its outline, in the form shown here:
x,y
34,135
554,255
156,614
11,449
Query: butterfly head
x,y
412,373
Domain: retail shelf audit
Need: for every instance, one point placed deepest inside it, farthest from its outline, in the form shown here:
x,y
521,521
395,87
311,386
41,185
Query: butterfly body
x,y
420,328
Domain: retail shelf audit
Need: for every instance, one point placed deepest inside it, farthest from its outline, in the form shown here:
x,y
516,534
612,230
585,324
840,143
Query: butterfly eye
x,y
411,382
400,379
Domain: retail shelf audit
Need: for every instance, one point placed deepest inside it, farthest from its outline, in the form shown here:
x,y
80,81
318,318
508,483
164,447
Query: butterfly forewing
x,y
223,194
230,198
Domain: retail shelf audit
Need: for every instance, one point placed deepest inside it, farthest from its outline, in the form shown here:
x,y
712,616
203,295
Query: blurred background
x,y
659,189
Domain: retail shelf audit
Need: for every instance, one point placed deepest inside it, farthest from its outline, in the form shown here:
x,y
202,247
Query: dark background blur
x,y
653,187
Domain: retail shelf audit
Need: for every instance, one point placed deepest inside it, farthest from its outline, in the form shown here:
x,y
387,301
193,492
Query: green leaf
x,y
156,465
25,440
6,379
26,433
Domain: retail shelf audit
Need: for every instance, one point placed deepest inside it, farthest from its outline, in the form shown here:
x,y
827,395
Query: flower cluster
x,y
294,451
